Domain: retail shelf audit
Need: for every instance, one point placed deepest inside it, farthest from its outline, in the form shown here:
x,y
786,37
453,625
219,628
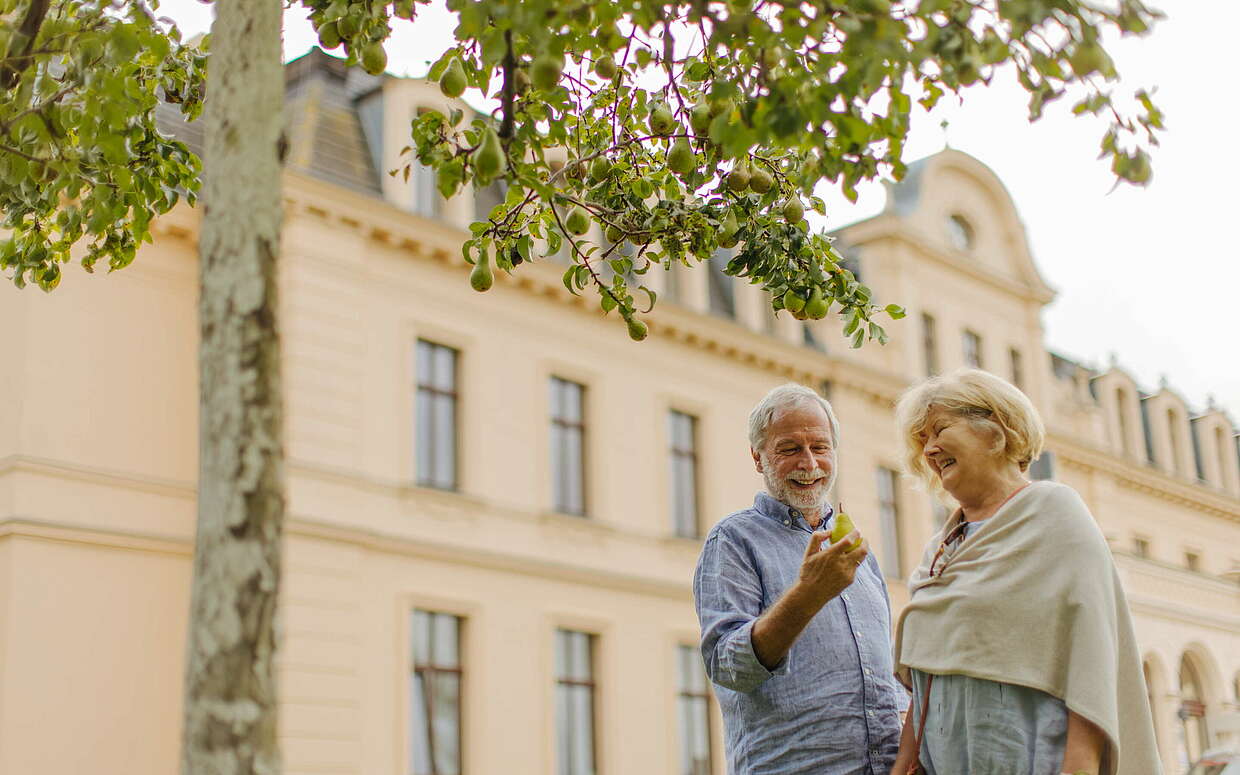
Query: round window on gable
x,y
960,232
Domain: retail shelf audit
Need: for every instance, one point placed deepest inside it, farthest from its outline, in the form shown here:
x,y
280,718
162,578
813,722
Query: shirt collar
x,y
766,505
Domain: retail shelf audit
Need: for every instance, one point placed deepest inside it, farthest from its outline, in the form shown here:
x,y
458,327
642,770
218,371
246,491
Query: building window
x,y
1121,412
929,345
1220,451
721,298
1018,371
960,232
1141,547
436,416
568,432
889,524
435,695
692,712
1043,467
810,340
1192,560
1194,738
972,350
682,433
1173,437
574,702
425,197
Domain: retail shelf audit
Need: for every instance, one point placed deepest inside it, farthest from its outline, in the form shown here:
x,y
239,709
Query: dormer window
x,y
960,232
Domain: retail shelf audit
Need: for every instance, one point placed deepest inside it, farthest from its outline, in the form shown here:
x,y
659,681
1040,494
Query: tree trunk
x,y
230,687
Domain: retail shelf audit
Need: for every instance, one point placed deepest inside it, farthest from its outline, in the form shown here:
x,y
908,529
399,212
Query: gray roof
x,y
322,122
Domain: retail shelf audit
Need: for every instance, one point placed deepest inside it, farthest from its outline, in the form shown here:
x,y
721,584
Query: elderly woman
x,y
1017,642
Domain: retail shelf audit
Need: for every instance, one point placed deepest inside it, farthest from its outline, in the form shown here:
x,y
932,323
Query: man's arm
x,y
824,574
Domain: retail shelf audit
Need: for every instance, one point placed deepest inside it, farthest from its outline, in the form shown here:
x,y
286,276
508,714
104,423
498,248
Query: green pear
x,y
374,58
488,159
794,211
680,158
329,35
738,178
614,234
792,302
816,308
600,168
452,82
700,118
842,527
637,329
729,230
545,71
761,181
661,120
578,221
605,67
480,277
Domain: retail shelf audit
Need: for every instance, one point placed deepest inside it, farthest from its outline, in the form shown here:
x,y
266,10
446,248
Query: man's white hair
x,y
785,397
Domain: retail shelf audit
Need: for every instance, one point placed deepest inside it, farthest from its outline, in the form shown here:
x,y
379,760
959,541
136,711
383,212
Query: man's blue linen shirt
x,y
831,706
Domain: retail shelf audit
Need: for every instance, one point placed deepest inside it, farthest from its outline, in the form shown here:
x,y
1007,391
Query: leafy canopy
x,y
81,160
644,133
628,135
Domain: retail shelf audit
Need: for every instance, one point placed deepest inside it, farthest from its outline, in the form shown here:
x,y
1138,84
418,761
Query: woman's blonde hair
x,y
982,399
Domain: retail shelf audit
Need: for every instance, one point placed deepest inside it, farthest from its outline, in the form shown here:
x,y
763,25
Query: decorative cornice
x,y
1149,481
107,477
59,532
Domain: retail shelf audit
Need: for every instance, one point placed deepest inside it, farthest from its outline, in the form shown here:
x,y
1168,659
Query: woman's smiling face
x,y
959,451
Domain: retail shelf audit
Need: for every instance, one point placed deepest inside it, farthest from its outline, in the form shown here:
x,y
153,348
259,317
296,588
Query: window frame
x,y
558,426
889,519
930,344
968,336
426,387
429,671
690,454
567,683
685,695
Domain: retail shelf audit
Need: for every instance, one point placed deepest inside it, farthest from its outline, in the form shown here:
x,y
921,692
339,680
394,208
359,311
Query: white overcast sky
x,y
1150,275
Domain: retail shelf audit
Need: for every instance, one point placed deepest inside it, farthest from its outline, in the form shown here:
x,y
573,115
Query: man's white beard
x,y
812,501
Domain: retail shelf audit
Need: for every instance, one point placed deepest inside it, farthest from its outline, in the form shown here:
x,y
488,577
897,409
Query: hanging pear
x,y
452,82
578,221
488,158
817,306
680,158
545,71
480,277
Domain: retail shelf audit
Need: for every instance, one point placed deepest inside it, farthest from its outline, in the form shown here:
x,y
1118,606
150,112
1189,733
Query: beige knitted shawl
x,y
1033,598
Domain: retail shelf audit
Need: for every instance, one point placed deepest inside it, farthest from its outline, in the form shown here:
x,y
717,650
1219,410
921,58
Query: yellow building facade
x,y
495,501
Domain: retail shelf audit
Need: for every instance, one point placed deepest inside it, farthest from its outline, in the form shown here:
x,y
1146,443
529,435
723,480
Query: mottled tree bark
x,y
230,689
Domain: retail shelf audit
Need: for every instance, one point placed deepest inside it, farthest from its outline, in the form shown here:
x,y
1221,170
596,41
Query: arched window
x,y
960,232
1194,737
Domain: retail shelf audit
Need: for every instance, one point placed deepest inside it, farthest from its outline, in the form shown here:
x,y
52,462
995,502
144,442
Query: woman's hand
x,y
1082,754
907,753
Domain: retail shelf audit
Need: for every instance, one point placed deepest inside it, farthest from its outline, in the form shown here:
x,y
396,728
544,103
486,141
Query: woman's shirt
x,y
980,727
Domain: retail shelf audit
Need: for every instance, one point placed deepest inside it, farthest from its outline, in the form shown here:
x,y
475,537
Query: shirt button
x,y
868,671
857,633
869,713
786,523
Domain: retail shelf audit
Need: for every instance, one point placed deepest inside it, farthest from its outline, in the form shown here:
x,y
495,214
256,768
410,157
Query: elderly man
x,y
795,629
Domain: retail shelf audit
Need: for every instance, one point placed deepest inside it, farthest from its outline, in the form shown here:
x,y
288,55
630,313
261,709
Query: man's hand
x,y
826,572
